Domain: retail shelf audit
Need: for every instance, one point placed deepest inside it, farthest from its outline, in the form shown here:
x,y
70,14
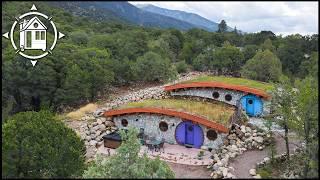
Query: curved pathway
x,y
248,160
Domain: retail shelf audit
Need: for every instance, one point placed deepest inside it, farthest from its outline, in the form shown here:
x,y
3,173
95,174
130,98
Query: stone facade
x,y
150,123
208,93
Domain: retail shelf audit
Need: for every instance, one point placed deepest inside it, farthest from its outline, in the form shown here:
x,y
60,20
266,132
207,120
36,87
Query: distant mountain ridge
x,y
122,11
191,18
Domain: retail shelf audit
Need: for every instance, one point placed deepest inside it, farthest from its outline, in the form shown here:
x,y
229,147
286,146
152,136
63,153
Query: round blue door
x,y
252,104
189,134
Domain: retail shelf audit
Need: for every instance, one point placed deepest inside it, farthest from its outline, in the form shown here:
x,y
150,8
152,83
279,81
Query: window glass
x,y
163,126
228,97
211,135
124,122
37,35
43,35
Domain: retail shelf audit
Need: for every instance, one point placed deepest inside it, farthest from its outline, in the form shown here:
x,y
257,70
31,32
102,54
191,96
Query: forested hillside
x,y
94,56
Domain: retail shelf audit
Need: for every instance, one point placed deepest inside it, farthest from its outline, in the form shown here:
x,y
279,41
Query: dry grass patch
x,y
217,112
82,111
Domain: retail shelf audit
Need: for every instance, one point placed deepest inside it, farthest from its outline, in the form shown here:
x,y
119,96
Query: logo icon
x,y
33,35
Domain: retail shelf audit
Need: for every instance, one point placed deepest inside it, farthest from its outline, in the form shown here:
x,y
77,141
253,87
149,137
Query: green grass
x,y
231,80
217,112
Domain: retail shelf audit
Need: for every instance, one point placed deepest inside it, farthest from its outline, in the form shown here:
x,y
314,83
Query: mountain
x,y
191,18
121,11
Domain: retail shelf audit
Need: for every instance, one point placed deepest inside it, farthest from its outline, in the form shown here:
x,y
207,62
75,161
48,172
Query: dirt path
x,y
188,171
246,161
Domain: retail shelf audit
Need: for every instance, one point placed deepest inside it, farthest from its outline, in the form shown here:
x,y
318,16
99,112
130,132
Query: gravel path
x,y
190,172
246,161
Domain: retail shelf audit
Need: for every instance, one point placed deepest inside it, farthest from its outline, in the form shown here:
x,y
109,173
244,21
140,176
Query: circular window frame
x,y
250,101
124,122
212,135
35,25
163,126
226,97
215,95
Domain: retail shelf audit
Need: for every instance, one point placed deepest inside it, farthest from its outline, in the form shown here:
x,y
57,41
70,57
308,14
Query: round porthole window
x,y
250,101
124,122
215,95
212,135
35,25
163,126
228,97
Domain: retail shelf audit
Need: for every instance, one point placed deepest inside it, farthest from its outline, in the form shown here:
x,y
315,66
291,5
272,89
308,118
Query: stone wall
x,y
150,123
207,93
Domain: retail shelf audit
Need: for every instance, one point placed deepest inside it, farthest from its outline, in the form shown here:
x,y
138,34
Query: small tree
x,y
284,103
37,145
264,66
222,27
126,163
307,123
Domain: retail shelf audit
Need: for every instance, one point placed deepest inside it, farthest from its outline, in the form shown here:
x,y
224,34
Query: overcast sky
x,y
279,17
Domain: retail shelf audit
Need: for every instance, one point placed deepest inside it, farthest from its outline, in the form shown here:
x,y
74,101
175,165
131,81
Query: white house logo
x,y
33,35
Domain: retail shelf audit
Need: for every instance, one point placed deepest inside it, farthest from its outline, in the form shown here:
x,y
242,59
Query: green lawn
x,y
231,80
217,112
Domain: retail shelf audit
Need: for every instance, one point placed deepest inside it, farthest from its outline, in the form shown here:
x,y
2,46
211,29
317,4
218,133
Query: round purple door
x,y
189,134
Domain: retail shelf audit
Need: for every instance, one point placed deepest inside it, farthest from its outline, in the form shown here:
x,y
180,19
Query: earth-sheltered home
x,y
198,114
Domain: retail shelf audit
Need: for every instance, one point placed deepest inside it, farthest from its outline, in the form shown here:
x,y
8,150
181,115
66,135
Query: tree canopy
x,y
37,145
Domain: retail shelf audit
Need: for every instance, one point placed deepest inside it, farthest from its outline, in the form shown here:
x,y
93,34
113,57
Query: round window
x,y
228,97
35,25
163,126
250,101
124,122
211,135
215,95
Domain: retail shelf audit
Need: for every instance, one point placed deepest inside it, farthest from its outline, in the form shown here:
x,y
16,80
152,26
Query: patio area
x,y
171,153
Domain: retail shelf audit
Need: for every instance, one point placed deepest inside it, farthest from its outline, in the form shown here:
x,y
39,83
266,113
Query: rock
x,y
243,129
102,127
225,172
99,121
252,172
211,175
248,129
204,147
92,143
258,139
254,134
247,135
232,136
232,142
88,138
266,159
109,123
239,133
225,142
95,128
257,176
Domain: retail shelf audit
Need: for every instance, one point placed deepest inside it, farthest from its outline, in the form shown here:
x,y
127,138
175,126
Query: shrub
x,y
127,164
181,67
37,145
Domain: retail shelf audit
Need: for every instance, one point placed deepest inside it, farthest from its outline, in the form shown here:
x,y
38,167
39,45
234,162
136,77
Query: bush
x,y
152,67
181,67
264,66
127,164
37,145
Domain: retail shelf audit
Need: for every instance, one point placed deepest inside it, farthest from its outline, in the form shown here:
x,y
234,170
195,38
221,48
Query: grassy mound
x,y
217,112
236,81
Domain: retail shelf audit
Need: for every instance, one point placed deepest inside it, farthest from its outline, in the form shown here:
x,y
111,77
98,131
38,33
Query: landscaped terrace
x,y
216,112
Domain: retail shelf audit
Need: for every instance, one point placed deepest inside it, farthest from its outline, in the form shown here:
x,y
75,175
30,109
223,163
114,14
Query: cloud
x,y
280,17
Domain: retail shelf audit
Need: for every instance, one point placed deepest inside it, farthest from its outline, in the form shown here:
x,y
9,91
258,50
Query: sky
x,y
279,17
